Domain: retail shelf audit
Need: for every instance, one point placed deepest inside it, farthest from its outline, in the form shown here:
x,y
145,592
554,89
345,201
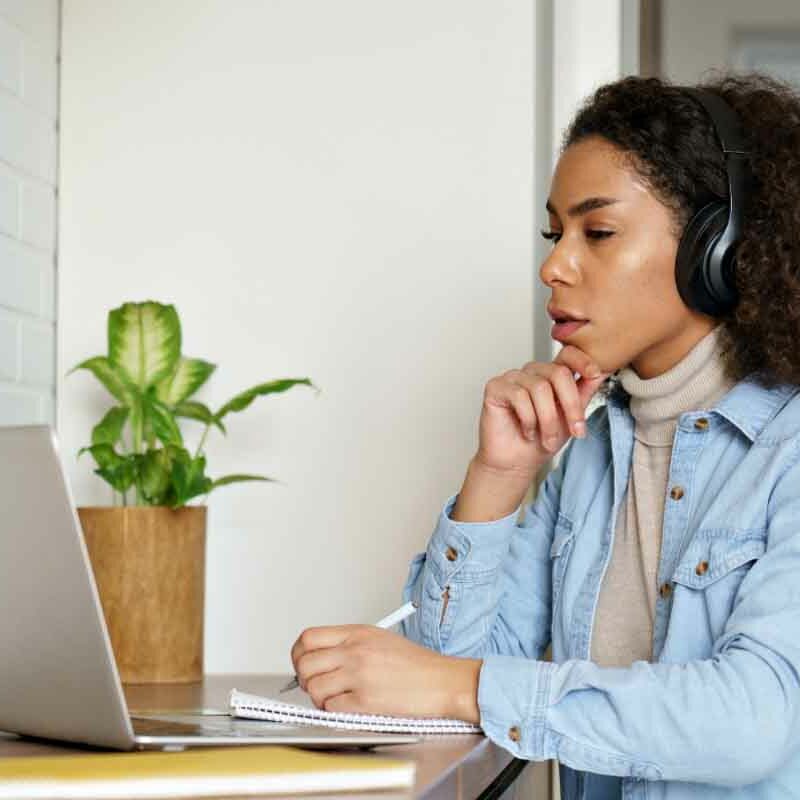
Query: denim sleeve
x,y
731,719
484,587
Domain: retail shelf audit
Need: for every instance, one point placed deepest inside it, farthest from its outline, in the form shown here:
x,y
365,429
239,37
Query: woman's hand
x,y
369,670
529,413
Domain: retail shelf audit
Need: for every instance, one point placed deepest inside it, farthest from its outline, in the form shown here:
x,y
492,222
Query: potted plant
x,y
148,555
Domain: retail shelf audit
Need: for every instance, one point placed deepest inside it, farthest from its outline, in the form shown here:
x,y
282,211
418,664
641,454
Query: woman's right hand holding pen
x,y
528,414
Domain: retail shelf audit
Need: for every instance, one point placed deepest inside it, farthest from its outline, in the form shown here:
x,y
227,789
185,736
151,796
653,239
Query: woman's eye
x,y
592,234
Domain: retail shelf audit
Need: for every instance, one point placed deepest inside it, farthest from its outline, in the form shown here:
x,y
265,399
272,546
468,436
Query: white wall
x,y
699,36
28,152
334,190
593,44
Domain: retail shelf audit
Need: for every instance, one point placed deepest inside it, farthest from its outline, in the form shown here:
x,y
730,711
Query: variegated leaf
x,y
110,377
162,422
109,429
187,378
191,409
144,341
243,399
226,479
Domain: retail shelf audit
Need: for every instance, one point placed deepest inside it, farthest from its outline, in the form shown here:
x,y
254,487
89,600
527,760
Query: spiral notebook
x,y
299,709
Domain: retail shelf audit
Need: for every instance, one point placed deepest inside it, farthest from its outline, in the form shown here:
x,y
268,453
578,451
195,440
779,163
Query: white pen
x,y
390,619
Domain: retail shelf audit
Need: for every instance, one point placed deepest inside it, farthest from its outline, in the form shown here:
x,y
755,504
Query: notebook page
x,y
297,707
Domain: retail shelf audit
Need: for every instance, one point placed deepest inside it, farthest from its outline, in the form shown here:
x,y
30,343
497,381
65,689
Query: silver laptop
x,y
58,678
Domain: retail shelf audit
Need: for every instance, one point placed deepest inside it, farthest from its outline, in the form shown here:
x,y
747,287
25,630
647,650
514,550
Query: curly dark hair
x,y
669,140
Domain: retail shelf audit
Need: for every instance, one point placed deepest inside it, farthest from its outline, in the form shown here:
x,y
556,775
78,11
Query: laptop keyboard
x,y
216,726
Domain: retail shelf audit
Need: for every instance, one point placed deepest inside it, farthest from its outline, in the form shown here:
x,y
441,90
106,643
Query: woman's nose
x,y
560,266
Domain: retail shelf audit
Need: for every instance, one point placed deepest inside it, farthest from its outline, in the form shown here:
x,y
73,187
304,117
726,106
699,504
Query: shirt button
x,y
451,554
701,568
676,493
701,424
514,734
665,590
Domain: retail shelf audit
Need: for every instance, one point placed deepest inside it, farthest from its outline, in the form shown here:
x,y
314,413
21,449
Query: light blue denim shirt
x,y
716,713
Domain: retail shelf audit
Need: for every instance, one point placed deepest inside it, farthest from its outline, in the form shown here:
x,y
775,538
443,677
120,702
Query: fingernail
x,y
551,442
579,429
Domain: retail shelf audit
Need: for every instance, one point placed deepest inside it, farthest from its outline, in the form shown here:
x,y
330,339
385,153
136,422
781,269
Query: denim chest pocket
x,y
705,588
706,585
719,554
559,553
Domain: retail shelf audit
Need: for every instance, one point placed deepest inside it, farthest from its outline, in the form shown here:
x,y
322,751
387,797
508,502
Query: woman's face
x,y
621,281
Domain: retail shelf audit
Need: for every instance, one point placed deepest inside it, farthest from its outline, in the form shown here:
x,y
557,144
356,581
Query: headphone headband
x,y
726,121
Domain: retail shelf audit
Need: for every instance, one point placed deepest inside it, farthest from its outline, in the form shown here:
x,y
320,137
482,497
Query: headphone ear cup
x,y
691,260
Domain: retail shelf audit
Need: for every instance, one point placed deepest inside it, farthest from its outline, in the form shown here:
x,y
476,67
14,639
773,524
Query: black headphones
x,y
706,257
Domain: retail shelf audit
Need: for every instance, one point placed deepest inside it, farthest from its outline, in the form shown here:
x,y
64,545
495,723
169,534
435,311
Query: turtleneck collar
x,y
696,382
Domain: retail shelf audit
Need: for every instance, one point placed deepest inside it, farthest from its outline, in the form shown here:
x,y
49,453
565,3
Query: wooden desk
x,y
448,767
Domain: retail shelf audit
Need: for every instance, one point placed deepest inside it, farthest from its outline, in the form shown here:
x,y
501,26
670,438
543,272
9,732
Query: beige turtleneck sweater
x,y
623,627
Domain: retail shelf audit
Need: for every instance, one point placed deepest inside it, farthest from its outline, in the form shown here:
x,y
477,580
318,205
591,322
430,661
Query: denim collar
x,y
748,406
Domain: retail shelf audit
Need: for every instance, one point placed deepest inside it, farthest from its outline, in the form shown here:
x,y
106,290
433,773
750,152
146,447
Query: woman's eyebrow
x,y
584,206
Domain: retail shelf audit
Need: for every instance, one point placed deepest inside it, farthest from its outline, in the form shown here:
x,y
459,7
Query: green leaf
x,y
191,409
242,400
188,477
225,480
137,422
104,454
155,468
144,342
120,477
108,375
118,470
188,377
162,422
109,429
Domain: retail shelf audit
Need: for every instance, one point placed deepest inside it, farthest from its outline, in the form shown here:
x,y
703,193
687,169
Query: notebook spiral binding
x,y
285,712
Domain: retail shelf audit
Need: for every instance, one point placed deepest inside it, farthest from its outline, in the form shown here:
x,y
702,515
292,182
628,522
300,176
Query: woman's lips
x,y
563,330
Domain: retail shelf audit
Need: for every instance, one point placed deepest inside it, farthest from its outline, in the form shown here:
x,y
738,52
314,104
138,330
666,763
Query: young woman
x,y
661,558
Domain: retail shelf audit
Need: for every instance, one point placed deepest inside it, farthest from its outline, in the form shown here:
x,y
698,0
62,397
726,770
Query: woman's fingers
x,y
588,386
319,637
561,379
547,397
378,671
556,405
547,417
531,397
591,376
512,390
578,361
529,413
315,663
325,685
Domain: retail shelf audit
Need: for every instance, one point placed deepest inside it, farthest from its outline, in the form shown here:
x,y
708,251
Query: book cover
x,y
258,769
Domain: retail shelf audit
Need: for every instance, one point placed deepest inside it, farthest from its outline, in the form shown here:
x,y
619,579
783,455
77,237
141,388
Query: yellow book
x,y
259,769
